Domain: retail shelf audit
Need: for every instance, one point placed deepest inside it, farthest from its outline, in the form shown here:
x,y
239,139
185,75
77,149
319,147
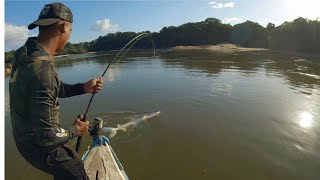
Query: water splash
x,y
136,120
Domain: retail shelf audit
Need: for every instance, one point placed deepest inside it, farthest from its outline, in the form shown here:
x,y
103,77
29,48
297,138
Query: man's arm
x,y
92,86
44,110
67,90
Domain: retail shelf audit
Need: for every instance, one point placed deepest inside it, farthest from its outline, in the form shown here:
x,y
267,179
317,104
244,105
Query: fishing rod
x,y
131,43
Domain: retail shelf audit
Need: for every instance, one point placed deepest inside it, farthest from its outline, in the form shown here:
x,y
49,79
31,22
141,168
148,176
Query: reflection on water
x,y
113,73
223,116
310,75
305,120
221,88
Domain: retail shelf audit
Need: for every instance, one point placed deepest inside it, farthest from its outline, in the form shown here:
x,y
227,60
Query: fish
x,y
112,131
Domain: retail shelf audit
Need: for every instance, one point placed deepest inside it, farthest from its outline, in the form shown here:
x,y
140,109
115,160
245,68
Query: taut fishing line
x,y
130,44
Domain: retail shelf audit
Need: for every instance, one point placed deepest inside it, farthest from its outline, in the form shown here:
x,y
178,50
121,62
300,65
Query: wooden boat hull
x,y
100,161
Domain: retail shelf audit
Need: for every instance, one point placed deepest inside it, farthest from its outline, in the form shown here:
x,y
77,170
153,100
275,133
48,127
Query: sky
x,y
98,18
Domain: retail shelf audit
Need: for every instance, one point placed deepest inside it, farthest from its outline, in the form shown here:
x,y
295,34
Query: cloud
x,y
106,26
218,5
15,36
231,20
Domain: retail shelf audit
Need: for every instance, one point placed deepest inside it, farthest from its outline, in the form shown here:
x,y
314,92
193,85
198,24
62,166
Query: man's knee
x,y
68,164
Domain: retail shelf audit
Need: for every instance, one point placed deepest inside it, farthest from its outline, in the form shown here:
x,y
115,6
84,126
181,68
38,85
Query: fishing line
x,y
134,40
131,43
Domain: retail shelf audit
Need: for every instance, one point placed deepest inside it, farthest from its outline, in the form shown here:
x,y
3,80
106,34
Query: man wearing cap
x,y
34,91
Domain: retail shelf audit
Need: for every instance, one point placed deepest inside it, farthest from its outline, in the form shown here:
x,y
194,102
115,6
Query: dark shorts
x,y
62,162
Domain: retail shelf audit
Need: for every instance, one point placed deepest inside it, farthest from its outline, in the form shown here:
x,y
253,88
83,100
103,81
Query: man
x,y
34,90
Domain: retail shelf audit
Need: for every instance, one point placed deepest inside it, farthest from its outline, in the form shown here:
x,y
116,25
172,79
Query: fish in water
x,y
134,122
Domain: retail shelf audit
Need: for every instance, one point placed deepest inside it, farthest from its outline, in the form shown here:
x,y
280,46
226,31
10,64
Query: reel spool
x,y
96,127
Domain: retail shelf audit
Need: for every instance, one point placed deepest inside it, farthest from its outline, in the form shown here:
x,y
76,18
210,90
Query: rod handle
x,y
84,119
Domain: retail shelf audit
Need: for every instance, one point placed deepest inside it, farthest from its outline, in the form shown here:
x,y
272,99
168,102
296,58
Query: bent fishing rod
x,y
130,44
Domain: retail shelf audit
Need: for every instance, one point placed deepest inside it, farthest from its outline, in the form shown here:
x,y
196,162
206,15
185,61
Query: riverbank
x,y
233,48
8,66
7,69
220,48
66,55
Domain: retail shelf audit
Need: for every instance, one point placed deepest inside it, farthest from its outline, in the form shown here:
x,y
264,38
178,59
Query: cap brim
x,y
43,22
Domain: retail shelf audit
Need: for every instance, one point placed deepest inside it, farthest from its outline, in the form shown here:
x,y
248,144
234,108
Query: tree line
x,y
300,35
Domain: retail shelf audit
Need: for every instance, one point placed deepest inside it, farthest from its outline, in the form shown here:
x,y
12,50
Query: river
x,y
249,115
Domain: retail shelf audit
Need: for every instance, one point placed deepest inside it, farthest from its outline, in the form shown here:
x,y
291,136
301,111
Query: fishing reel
x,y
96,127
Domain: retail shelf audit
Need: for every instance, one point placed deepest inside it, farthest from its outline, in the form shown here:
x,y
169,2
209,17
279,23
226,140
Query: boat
x,y
100,161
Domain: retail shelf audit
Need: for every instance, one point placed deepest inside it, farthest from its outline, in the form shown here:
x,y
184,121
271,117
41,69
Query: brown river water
x,y
249,115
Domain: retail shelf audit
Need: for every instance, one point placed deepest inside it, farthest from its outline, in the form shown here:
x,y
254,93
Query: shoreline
x,y
67,55
233,48
222,48
7,71
219,48
8,66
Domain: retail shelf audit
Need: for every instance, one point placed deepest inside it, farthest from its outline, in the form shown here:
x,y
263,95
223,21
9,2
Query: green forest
x,y
300,35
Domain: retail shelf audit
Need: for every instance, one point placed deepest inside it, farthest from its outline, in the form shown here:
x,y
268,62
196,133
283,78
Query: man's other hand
x,y
82,127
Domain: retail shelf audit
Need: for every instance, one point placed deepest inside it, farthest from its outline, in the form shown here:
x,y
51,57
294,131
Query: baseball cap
x,y
52,13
